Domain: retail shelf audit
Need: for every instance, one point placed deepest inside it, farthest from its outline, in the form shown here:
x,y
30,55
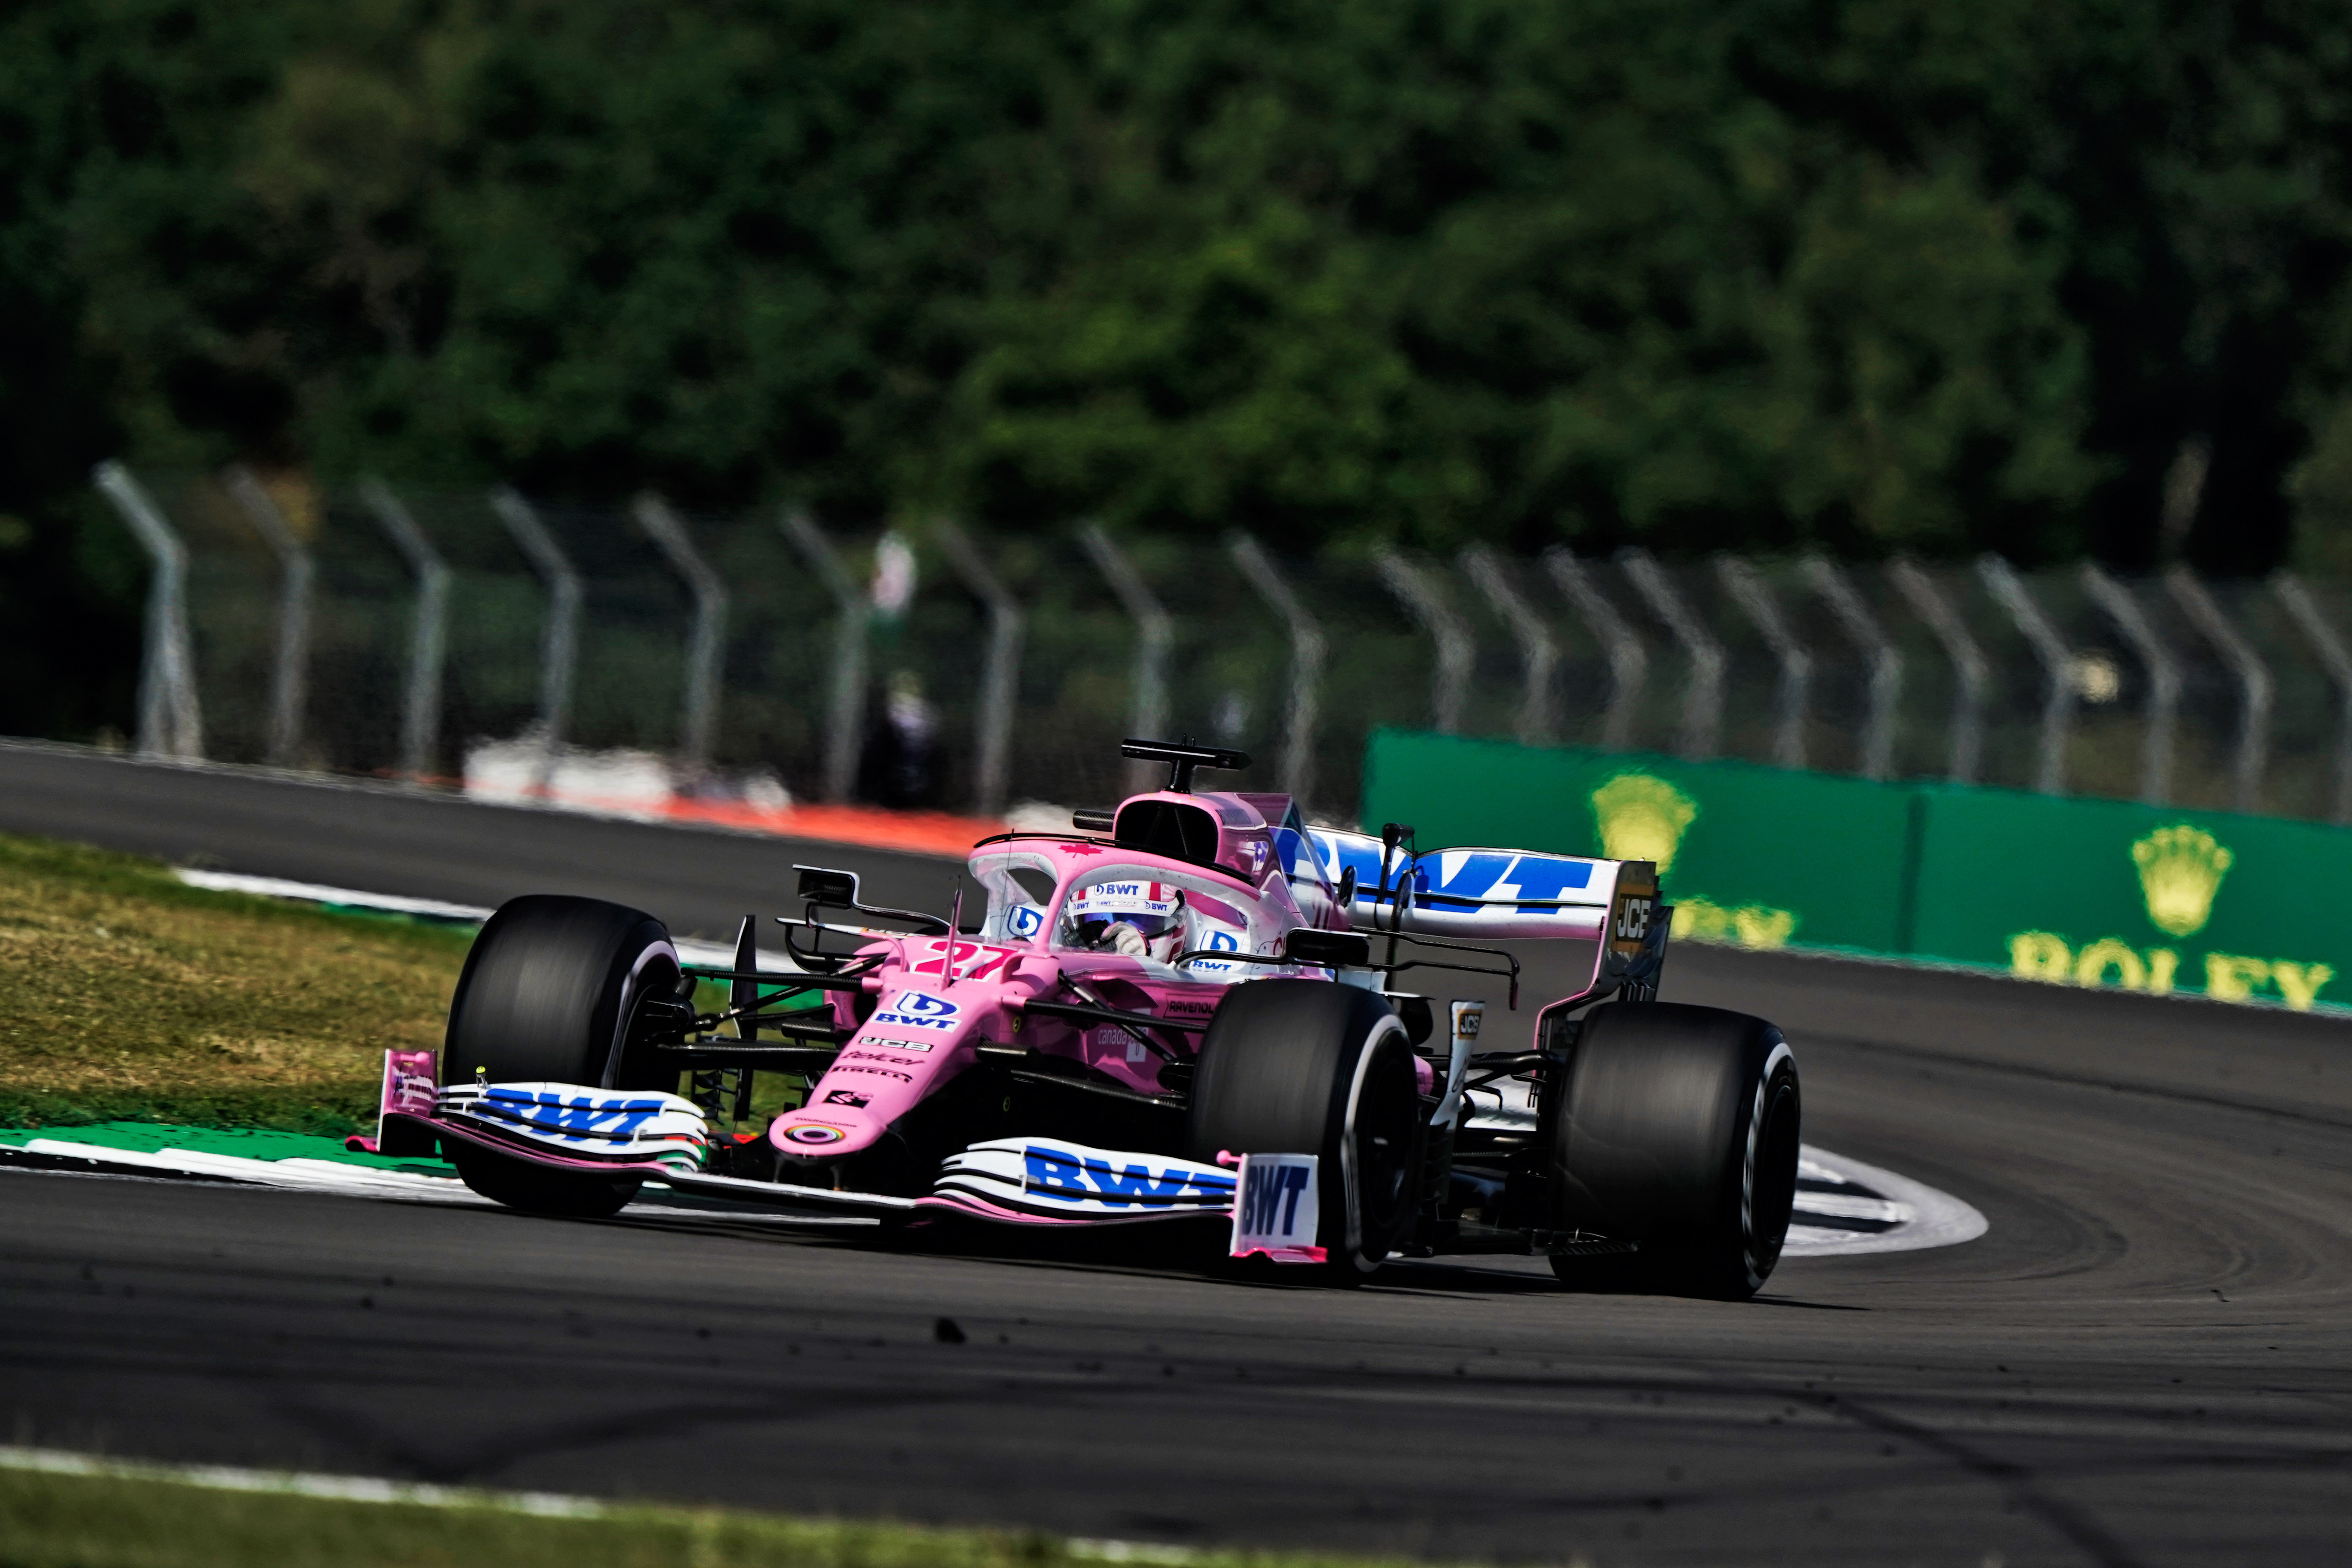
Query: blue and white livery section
x,y
626,1126
1051,1178
1493,893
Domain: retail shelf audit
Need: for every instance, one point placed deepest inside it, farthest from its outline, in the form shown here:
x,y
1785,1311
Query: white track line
x,y
1921,1216
297,1483
715,954
419,1494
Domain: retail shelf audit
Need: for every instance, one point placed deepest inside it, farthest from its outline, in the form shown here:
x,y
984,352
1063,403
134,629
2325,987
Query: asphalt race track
x,y
2145,1361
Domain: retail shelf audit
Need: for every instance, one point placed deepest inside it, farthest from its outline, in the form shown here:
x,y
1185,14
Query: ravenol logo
x,y
2180,869
1024,919
1643,817
919,1010
1058,1173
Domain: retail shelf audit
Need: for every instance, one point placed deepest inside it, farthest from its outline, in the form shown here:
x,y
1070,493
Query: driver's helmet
x,y
1153,909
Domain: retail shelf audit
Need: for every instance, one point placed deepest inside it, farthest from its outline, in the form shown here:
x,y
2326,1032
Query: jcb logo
x,y
1634,919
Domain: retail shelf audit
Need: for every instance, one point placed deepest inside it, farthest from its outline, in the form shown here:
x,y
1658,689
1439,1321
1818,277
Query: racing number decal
x,y
973,962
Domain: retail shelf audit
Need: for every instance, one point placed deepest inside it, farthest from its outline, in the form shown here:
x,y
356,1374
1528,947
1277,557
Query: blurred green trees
x,y
1871,275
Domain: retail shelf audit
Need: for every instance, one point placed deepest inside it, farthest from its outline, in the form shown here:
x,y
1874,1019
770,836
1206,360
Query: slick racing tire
x,y
1308,1067
549,991
535,1189
1678,1129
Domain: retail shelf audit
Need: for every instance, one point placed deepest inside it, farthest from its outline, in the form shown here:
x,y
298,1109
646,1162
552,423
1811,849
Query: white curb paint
x,y
1921,1216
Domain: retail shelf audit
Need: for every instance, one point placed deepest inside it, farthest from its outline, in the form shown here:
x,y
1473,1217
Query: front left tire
x,y
551,993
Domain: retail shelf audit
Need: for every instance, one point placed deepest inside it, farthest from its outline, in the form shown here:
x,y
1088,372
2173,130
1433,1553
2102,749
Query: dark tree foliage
x,y
1869,276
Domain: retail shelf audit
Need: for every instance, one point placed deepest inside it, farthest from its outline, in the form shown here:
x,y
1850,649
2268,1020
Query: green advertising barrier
x,y
2067,891
2099,892
1761,856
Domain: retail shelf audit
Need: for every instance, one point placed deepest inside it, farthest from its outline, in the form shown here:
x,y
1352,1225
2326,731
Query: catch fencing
x,y
391,631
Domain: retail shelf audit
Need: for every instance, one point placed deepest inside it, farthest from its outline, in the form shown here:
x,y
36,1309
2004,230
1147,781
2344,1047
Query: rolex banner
x,y
2067,891
2099,892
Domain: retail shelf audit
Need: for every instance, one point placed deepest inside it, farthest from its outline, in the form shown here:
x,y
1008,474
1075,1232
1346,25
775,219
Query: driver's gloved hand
x,y
1125,938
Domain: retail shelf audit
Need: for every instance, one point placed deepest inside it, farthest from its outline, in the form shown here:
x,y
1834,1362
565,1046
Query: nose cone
x,y
820,1131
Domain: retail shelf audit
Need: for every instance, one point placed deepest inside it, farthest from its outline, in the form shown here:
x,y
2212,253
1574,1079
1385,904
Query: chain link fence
x,y
495,641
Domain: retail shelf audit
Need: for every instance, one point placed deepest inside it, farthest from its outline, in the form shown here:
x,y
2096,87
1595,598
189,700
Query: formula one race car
x,y
1182,1012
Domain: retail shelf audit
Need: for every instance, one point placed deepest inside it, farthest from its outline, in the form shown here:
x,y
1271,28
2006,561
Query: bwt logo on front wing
x,y
1270,1200
1057,1173
919,1010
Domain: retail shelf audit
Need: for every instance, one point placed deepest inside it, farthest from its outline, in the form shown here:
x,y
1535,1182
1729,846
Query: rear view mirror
x,y
828,890
1328,949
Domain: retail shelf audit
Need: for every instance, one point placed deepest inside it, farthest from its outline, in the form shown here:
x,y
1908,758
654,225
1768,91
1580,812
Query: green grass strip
x,y
66,1510
244,1143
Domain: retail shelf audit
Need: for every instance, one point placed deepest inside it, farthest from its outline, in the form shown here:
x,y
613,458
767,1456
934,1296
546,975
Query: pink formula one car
x,y
1186,1012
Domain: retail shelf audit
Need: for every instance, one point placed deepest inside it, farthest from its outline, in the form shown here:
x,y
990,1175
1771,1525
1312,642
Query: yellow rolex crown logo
x,y
1641,818
2180,869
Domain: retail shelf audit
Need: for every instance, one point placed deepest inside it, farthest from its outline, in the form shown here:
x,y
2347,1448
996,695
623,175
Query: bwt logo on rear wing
x,y
1497,894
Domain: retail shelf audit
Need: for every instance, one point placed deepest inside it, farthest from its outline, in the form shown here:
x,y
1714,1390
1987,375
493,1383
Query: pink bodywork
x,y
926,1010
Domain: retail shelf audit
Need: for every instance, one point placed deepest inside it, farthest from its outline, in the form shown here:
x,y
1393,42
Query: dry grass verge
x,y
125,994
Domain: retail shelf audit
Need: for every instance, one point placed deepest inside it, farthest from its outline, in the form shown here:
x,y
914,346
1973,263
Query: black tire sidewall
x,y
548,993
1678,1130
1286,1068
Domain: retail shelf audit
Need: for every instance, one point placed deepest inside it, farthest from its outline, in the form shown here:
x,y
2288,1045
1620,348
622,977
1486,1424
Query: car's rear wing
x,y
1494,893
1500,895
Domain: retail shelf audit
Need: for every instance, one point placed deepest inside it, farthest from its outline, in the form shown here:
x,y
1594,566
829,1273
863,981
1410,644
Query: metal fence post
x,y
1886,688
420,718
1629,662
1307,650
2163,679
2057,663
1969,675
2255,687
1539,723
706,644
294,577
2296,600
1754,596
559,642
170,723
1455,651
848,709
1000,676
1155,633
1703,703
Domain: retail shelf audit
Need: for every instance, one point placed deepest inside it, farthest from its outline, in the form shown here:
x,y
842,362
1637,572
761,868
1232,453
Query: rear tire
x,y
1677,1128
1308,1067
549,993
